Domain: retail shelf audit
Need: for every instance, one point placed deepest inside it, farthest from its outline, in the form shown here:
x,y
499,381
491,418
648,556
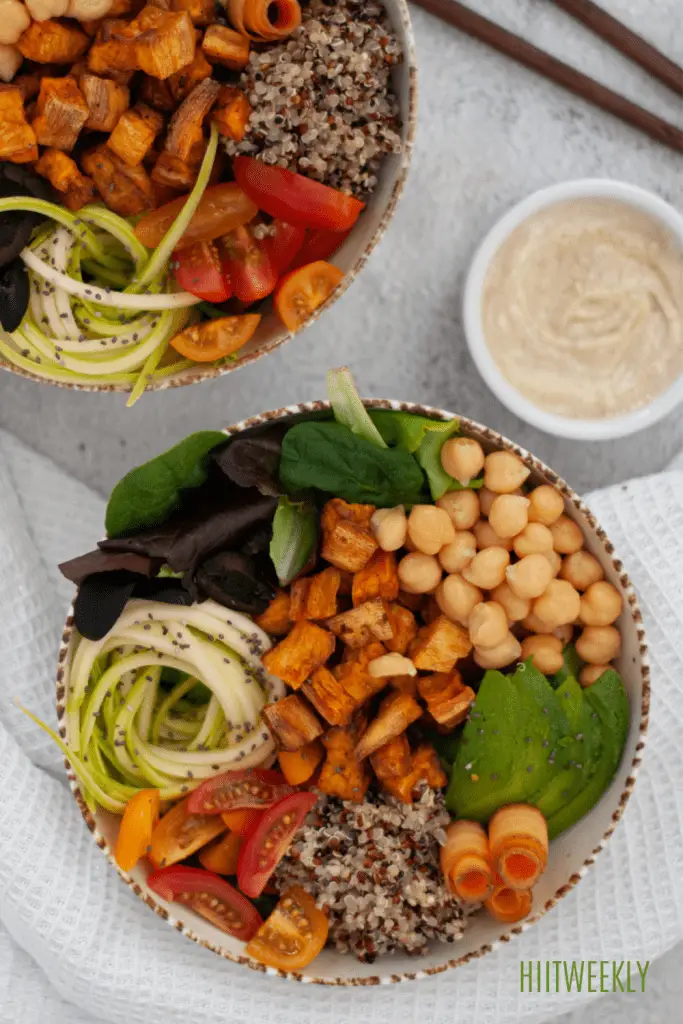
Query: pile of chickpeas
x,y
507,565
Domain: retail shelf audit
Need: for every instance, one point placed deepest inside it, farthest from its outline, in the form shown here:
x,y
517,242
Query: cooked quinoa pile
x,y
322,100
374,869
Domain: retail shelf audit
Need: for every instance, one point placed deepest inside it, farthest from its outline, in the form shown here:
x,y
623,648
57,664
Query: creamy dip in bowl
x,y
574,309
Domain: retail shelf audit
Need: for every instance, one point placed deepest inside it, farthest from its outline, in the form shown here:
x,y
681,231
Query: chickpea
x,y
487,537
599,644
590,674
504,472
601,604
546,505
564,633
536,625
516,608
530,576
534,539
390,526
567,536
391,665
546,652
462,458
429,528
15,21
419,573
559,604
554,560
459,553
581,569
509,515
498,657
488,624
462,507
456,598
487,568
486,498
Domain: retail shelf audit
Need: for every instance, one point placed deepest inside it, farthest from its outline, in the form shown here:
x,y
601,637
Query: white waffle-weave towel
x,y
77,946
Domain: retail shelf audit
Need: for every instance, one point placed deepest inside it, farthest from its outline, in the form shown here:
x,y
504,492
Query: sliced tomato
x,y
234,791
283,244
208,895
319,245
252,272
222,854
135,831
269,840
241,822
293,935
198,270
301,291
215,339
221,209
180,834
294,198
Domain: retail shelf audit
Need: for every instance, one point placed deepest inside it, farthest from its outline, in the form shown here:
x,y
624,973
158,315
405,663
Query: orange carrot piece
x,y
508,905
298,766
518,838
466,861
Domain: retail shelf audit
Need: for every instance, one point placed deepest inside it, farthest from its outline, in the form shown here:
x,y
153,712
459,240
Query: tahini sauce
x,y
583,308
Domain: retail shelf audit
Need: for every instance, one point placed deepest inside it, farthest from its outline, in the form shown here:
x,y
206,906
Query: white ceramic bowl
x,y
571,854
562,426
350,258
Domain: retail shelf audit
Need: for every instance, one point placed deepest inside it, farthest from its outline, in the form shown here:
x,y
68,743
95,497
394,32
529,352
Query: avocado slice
x,y
571,668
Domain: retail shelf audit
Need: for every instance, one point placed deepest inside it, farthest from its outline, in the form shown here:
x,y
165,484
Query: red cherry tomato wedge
x,y
293,935
301,291
294,198
251,271
222,208
234,791
208,895
180,834
268,842
319,245
283,244
198,270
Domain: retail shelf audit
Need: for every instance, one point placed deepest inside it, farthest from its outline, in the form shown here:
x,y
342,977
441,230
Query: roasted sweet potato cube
x,y
404,684
336,509
438,646
202,12
232,113
357,681
298,600
322,594
329,698
120,7
358,626
106,100
275,619
404,626
414,602
305,649
393,760
447,699
53,42
174,173
17,137
164,41
292,722
378,578
125,190
135,133
348,546
396,713
183,82
158,94
427,768
28,85
61,113
225,46
343,775
186,127
364,655
113,49
64,176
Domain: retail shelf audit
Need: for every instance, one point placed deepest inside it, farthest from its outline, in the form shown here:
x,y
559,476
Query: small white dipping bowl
x,y
563,426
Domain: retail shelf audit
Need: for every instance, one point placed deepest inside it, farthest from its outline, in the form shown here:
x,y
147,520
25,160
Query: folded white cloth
x,y
77,946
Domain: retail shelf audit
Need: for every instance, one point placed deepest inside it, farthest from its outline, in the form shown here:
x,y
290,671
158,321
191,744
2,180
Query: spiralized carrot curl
x,y
518,839
251,18
508,905
466,861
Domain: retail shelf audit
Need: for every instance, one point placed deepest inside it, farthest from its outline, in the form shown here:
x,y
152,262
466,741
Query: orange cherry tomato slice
x,y
222,208
215,339
179,834
137,824
221,855
242,821
293,935
302,291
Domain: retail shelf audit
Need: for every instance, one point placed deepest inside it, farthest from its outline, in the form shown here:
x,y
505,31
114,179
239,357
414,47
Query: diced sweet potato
x,y
393,760
364,655
336,509
106,101
347,541
182,83
378,578
61,113
232,113
225,46
28,85
17,137
430,610
159,94
427,767
298,766
113,49
125,190
135,132
275,619
438,646
343,775
53,42
298,600
404,626
414,602
305,649
396,713
120,7
447,699
329,698
202,12
404,684
322,594
173,172
186,127
164,42
357,681
292,722
64,176
358,626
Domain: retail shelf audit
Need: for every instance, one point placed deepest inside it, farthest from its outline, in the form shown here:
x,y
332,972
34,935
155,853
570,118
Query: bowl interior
x,y
571,854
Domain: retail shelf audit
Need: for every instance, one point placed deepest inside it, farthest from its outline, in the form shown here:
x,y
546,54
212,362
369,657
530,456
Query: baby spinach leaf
x,y
295,538
348,407
148,494
330,458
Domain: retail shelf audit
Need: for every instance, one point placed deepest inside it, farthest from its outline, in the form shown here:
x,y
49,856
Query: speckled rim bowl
x,y
350,258
562,426
571,855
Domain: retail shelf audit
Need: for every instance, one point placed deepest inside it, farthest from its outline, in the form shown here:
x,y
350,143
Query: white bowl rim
x,y
631,605
514,400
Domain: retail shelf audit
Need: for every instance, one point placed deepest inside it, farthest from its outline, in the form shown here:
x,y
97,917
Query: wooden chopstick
x,y
467,20
625,41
